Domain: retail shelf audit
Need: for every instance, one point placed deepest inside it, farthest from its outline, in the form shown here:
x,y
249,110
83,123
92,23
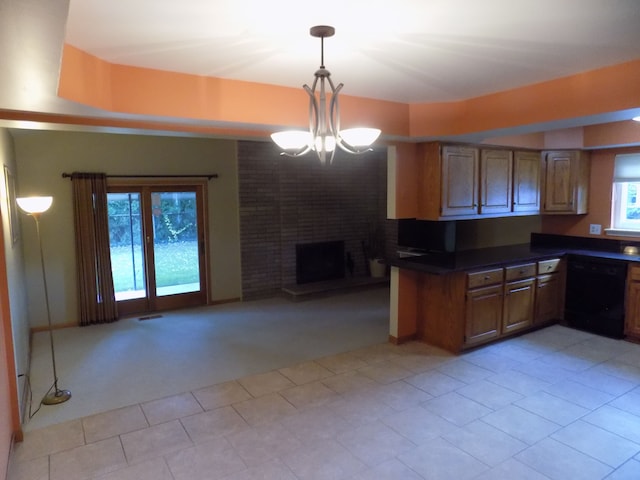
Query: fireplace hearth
x,y
319,261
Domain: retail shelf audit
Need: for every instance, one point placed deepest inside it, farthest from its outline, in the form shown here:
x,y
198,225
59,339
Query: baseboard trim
x,y
403,339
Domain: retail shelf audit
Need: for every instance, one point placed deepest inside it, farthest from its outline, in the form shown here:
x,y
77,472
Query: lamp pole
x,y
56,396
34,207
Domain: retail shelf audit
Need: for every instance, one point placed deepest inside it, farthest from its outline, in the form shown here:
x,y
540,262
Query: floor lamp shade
x,y
34,206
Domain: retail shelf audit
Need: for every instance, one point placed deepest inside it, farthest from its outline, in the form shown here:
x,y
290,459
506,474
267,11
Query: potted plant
x,y
374,253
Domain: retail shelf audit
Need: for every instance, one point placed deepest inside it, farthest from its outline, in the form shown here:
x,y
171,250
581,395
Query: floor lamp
x,y
35,206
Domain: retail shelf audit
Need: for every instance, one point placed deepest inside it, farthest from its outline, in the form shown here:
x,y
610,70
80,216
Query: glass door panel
x,y
175,242
127,248
157,239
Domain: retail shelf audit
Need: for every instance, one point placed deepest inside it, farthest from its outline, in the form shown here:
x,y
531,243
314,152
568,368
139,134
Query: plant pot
x,y
377,267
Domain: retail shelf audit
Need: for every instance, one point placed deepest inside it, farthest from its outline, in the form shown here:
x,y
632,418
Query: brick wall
x,y
285,201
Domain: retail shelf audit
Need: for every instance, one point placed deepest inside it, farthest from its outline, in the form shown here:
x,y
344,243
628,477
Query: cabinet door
x,y
483,314
459,181
558,182
548,298
632,313
526,182
518,305
496,181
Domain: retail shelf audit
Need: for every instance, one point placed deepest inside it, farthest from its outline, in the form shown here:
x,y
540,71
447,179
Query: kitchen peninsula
x,y
463,299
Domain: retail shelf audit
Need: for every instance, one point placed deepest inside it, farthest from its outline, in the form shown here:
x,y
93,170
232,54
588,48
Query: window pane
x,y
175,231
125,237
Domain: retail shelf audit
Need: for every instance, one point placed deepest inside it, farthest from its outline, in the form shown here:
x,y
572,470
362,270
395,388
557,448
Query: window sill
x,y
622,233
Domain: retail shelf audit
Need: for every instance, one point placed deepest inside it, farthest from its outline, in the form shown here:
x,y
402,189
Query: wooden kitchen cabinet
x,y
549,291
483,306
526,182
467,182
566,182
496,181
459,181
632,303
519,297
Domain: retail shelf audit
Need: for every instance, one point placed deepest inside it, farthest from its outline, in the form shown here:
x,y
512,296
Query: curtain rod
x,y
208,176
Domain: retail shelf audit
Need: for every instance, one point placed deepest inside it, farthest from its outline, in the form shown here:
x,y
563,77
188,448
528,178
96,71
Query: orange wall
x,y
91,81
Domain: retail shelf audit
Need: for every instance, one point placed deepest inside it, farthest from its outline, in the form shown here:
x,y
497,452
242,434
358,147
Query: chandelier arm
x,y
313,110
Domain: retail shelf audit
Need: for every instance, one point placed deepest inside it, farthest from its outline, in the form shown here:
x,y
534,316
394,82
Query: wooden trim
x,y
402,339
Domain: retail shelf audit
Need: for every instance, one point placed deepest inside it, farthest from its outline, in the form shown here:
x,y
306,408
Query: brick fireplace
x,y
289,201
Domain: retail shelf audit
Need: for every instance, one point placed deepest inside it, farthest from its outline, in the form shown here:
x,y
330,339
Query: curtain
x,y
93,258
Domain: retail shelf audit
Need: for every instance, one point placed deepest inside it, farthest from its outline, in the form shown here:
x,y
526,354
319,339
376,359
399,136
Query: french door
x,y
157,240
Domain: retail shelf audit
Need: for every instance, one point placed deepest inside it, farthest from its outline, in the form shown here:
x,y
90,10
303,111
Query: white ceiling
x,y
402,50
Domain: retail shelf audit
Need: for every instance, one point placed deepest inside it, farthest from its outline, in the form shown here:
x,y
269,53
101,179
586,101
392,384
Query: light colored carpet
x,y
133,361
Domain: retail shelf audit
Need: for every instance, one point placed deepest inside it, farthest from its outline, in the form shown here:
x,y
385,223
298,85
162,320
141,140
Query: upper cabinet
x,y
465,182
526,182
435,181
566,185
459,174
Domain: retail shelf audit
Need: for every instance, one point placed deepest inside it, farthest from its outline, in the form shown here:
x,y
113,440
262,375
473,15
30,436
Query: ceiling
x,y
409,51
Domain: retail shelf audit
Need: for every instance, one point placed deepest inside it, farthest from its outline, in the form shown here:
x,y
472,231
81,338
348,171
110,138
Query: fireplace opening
x,y
320,261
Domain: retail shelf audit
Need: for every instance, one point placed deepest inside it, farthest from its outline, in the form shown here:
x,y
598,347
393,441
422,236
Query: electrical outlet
x,y
595,229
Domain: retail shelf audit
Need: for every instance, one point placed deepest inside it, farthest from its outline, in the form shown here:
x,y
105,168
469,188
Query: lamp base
x,y
54,398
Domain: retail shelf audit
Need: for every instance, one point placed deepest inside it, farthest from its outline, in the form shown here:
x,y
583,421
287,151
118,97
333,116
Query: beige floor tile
x,y
521,424
456,409
208,425
306,373
385,372
272,470
36,469
48,440
221,395
435,383
155,441
559,461
265,443
265,383
170,408
267,409
113,423
439,459
360,408
419,425
309,395
315,424
210,460
342,362
348,382
420,362
377,353
390,470
398,395
323,460
375,443
155,469
486,443
88,461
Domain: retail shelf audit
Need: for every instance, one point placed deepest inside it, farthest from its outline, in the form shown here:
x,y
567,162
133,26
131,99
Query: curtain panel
x,y
97,303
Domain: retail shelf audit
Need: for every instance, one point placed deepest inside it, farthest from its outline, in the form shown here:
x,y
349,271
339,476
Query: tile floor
x,y
554,404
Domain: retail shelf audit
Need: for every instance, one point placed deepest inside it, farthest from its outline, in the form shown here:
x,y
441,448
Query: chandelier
x,y
324,118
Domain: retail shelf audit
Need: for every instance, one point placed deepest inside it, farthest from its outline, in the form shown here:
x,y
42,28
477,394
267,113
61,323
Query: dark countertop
x,y
443,263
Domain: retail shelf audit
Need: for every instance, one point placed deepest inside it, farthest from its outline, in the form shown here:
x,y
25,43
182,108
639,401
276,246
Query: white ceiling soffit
x,y
410,51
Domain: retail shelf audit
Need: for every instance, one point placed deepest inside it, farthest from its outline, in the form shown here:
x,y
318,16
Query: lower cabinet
x,y
632,313
503,301
484,314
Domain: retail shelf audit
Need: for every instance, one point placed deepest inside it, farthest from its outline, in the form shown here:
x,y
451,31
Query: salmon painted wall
x,y
91,81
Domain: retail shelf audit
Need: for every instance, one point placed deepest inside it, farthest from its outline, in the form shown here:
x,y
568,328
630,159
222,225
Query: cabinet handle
x,y
487,277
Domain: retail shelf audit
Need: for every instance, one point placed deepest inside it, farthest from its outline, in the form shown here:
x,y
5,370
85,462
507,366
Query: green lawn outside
x,y
176,264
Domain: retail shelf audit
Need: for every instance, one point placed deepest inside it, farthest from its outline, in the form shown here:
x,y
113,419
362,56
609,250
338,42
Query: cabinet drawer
x,y
548,266
486,277
517,272
634,274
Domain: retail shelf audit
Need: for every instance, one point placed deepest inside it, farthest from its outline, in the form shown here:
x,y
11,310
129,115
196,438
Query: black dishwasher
x,y
594,299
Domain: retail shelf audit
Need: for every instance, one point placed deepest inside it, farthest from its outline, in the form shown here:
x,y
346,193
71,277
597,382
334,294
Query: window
x,y
625,204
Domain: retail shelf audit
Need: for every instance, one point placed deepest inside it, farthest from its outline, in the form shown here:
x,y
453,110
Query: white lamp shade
x,y
292,140
33,205
360,137
637,119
